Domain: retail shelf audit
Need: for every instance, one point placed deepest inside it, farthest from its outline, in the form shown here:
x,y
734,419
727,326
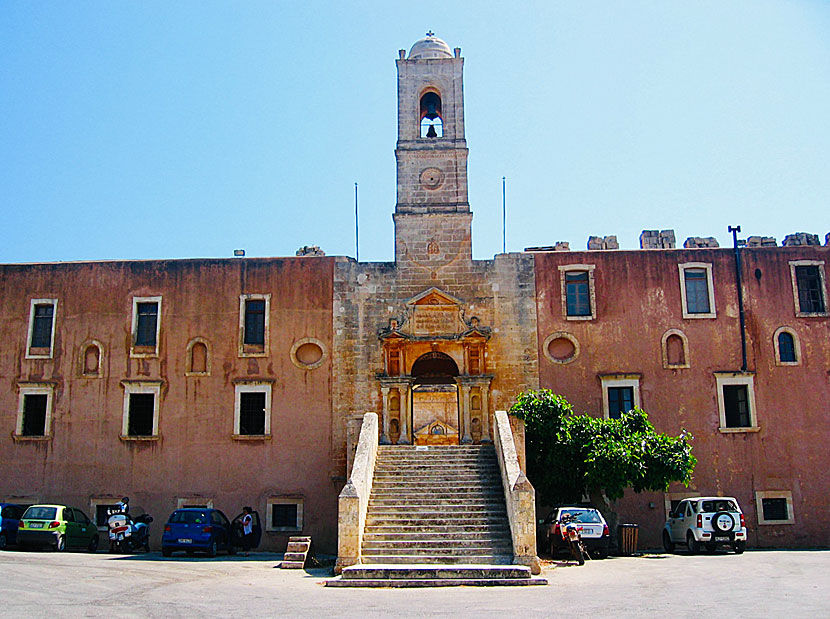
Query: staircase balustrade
x,y
519,496
353,502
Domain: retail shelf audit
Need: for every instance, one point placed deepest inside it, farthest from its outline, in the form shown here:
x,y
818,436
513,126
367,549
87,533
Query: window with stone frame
x,y
34,411
697,290
736,402
810,290
41,328
254,324
577,291
252,410
145,326
141,410
620,394
774,507
786,347
284,514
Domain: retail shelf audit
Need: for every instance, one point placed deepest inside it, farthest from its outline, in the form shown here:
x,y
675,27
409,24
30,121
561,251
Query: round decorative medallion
x,y
431,178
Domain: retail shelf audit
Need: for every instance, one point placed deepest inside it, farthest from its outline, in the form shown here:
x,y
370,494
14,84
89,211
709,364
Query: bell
x,y
431,132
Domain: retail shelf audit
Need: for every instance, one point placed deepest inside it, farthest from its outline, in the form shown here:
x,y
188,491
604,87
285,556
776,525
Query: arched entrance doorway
x,y
435,414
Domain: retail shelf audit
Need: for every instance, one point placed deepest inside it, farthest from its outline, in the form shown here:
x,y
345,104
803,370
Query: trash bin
x,y
628,535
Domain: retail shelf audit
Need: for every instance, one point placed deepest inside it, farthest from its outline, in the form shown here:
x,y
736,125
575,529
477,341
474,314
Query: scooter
x,y
570,531
127,534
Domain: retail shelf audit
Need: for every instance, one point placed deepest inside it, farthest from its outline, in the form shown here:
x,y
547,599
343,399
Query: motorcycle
x,y
127,534
570,531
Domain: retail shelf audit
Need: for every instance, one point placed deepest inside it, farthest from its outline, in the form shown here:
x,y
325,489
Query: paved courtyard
x,y
761,583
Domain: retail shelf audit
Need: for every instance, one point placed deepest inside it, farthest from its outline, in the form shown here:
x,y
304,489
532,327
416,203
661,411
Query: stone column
x,y
384,437
466,438
485,413
403,390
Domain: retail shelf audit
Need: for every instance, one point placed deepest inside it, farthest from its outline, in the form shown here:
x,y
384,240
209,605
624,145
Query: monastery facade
x,y
230,382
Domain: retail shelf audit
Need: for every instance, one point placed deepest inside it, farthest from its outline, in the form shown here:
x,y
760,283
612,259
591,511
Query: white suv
x,y
709,521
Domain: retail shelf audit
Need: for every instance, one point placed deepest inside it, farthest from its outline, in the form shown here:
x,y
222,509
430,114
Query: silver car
x,y
708,522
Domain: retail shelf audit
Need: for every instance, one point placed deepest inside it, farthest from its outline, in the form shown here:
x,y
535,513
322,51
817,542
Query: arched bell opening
x,y
435,411
432,123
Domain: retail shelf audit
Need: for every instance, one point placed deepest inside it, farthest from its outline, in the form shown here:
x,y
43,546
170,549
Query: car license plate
x,y
183,540
36,525
721,539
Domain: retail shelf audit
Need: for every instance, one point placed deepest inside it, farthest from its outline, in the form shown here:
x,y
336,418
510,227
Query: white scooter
x,y
127,534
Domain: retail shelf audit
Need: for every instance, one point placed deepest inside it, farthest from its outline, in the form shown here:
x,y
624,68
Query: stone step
x,y
417,510
368,552
452,546
472,530
432,572
443,582
463,487
462,535
438,498
440,559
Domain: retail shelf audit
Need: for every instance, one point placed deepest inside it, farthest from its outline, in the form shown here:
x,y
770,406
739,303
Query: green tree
x,y
570,455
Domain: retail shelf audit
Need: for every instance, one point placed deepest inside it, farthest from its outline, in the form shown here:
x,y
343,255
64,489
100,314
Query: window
x,y
141,410
145,329
620,394
774,507
736,402
620,400
34,411
809,287
252,411
41,328
284,514
182,502
254,324
675,350
787,349
101,509
697,290
577,291
671,500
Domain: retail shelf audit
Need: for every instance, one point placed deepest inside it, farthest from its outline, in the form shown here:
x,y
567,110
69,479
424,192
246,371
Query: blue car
x,y
195,529
10,514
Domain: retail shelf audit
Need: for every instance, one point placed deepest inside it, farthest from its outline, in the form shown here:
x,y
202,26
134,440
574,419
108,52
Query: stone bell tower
x,y
432,215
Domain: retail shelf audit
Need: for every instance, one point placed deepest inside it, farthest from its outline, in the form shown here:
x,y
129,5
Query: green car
x,y
58,526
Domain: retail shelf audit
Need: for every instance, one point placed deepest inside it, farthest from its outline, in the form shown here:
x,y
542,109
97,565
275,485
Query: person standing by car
x,y
247,530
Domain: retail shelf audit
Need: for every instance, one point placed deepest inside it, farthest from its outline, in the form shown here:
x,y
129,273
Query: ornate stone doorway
x,y
435,412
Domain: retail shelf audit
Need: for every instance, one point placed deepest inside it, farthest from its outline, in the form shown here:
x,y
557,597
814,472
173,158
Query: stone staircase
x,y
436,517
296,553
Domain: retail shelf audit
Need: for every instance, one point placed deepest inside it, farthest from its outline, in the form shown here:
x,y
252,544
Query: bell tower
x,y
432,215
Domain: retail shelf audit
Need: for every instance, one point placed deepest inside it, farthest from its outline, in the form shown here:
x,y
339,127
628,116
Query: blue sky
x,y
149,129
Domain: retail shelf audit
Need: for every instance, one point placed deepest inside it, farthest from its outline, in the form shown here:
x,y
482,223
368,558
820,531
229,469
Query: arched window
x,y
432,124
787,349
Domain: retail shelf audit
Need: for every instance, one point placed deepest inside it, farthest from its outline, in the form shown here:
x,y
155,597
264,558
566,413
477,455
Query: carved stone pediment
x,y
435,313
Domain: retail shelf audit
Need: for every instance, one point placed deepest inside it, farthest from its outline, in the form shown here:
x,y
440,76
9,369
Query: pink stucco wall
x,y
195,454
637,300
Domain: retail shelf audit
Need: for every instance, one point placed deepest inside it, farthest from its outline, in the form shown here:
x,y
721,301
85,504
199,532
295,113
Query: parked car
x,y
197,529
58,526
592,527
706,521
9,522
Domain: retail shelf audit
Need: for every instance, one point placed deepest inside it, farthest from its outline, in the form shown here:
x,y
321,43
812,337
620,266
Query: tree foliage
x,y
570,455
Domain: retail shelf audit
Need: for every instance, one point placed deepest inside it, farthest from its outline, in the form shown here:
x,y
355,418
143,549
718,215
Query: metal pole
x,y
503,216
735,244
356,237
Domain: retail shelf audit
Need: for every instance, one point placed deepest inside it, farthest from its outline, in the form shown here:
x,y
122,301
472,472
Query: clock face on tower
x,y
431,178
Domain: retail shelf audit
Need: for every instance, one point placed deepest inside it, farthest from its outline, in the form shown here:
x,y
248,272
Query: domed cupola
x,y
430,47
